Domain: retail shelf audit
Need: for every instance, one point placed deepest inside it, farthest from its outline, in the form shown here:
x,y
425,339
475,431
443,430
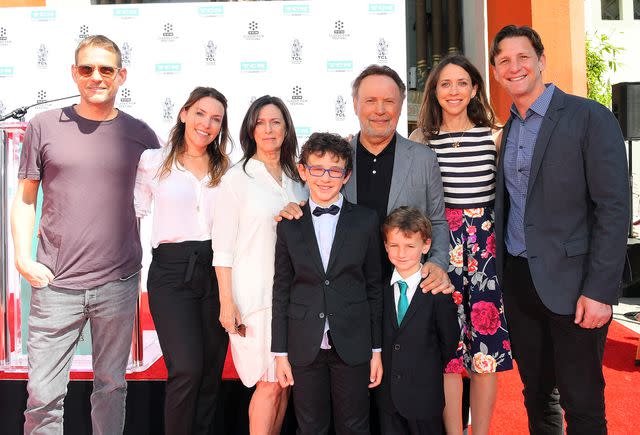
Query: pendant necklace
x,y
456,143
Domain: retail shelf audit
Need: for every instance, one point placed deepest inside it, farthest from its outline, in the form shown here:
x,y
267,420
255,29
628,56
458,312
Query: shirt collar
x,y
412,281
387,150
541,104
338,202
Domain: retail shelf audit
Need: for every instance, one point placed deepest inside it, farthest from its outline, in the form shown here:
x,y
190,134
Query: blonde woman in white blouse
x,y
177,183
244,237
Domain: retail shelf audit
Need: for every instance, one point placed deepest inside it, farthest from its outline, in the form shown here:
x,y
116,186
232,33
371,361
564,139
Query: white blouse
x,y
244,230
182,205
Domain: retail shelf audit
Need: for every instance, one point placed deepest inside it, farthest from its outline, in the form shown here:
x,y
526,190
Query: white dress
x,y
244,238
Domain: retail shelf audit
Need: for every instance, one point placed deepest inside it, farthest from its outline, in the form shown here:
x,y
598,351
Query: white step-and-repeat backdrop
x,y
306,53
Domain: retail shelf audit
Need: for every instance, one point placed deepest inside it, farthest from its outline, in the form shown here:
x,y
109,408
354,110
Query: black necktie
x,y
319,211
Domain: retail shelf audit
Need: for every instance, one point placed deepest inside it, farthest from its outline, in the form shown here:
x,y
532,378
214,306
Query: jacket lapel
x,y
548,124
401,167
309,235
415,305
341,232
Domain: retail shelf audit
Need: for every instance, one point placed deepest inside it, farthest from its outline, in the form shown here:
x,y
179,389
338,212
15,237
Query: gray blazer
x,y
577,211
416,183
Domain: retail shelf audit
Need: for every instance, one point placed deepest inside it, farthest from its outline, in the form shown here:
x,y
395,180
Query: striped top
x,y
469,170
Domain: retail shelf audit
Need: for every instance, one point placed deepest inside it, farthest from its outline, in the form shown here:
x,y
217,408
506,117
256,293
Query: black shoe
x,y
633,315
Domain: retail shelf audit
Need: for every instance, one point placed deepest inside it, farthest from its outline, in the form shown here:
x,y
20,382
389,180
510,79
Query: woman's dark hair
x,y
289,149
217,149
479,110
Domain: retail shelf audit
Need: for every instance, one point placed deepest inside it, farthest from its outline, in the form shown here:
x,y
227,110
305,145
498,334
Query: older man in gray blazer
x,y
390,171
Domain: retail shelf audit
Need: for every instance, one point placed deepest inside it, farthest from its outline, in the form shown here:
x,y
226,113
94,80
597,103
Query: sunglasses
x,y
107,72
318,171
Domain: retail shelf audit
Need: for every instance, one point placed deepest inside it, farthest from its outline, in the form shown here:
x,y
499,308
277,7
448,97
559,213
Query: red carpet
x,y
622,393
622,390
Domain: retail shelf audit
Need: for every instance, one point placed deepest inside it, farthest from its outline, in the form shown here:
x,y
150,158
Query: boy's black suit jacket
x,y
415,353
349,293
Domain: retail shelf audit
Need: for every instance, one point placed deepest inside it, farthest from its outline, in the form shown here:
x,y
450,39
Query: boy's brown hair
x,y
409,220
322,143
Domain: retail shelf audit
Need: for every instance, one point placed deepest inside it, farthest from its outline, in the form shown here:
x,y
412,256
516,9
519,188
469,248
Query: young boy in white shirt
x,y
327,298
420,332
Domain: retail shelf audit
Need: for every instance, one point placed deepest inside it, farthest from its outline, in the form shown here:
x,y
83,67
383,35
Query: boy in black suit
x,y
327,297
420,332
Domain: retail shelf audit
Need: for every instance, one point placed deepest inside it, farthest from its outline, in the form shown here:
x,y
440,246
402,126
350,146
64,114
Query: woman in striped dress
x,y
457,122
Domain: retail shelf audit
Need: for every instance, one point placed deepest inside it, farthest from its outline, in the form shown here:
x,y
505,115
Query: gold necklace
x,y
456,143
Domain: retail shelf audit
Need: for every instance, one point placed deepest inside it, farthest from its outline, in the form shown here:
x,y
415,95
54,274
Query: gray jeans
x,y
56,320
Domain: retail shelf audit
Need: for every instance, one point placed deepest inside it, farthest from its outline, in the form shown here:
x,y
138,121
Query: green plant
x,y
601,62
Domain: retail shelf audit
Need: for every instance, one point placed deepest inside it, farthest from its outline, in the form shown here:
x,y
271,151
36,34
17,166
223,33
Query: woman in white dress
x,y
244,236
176,183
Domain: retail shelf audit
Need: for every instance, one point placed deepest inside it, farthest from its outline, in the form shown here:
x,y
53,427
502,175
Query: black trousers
x,y
184,303
560,363
392,423
328,383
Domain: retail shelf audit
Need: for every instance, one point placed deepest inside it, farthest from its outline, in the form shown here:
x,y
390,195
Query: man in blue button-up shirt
x,y
562,210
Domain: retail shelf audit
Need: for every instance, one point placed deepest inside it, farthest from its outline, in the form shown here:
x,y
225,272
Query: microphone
x,y
20,112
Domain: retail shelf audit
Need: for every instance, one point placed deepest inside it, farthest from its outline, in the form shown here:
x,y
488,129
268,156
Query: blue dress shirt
x,y
518,152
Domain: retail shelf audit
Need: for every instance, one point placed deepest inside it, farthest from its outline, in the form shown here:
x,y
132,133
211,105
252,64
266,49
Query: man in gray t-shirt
x,y
85,157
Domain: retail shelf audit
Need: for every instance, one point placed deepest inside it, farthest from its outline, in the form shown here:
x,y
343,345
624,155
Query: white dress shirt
x,y
244,239
181,204
412,284
325,229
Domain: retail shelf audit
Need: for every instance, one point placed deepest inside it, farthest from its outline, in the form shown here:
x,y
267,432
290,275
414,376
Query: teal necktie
x,y
403,301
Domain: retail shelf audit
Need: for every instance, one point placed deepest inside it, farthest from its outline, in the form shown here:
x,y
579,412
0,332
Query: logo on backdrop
x,y
125,98
210,51
303,133
43,15
6,71
83,33
41,97
168,68
211,11
254,66
296,51
341,106
125,52
4,38
382,51
43,55
339,65
126,13
339,30
168,35
253,32
297,97
381,8
296,10
167,110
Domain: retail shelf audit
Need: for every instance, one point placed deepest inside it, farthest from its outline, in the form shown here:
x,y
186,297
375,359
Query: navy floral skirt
x,y
484,338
